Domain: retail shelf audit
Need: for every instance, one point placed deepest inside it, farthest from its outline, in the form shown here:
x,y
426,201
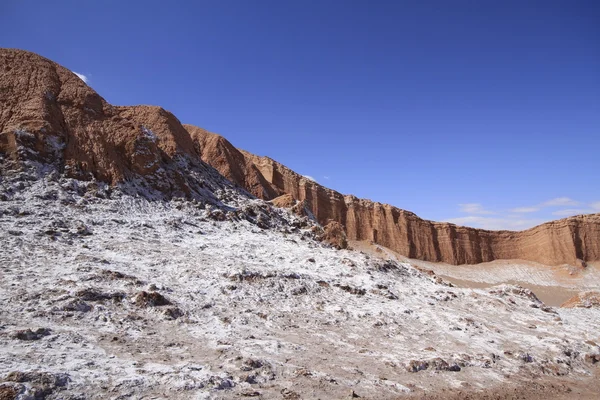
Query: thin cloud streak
x,y
557,202
560,201
514,219
571,211
474,208
522,210
492,223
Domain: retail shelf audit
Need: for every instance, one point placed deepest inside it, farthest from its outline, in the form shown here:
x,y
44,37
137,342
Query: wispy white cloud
x,y
310,178
592,208
326,177
514,219
560,201
82,77
474,208
571,211
556,202
522,210
496,223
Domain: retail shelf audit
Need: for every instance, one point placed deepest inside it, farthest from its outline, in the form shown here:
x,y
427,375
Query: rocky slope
x,y
121,297
558,242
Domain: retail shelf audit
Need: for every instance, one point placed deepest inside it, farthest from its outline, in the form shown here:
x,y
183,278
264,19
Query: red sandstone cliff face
x,y
48,114
231,163
553,243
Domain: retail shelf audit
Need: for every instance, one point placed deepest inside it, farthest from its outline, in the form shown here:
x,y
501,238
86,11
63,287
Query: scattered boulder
x,y
250,393
40,384
116,275
151,299
526,358
417,365
77,305
29,335
217,215
388,266
83,230
289,394
90,294
250,276
437,364
172,313
592,358
352,290
250,364
219,383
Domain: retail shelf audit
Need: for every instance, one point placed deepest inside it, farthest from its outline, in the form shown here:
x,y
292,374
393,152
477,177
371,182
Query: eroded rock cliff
x,y
557,242
49,115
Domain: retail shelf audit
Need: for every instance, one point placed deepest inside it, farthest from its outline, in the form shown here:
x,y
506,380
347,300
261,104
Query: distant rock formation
x,y
569,240
49,115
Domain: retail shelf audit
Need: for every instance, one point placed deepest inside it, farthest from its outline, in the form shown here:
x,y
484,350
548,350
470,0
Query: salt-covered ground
x,y
552,284
128,298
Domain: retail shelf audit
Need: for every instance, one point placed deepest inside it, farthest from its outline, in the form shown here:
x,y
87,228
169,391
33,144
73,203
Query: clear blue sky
x,y
456,110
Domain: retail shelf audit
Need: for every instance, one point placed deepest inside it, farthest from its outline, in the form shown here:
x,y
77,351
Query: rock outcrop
x,y
571,240
49,115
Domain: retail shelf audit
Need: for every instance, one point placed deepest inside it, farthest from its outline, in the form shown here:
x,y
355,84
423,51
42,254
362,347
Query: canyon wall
x,y
48,114
552,243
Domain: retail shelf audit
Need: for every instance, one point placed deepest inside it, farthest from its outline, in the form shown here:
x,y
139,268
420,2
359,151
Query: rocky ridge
x,y
52,121
571,240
